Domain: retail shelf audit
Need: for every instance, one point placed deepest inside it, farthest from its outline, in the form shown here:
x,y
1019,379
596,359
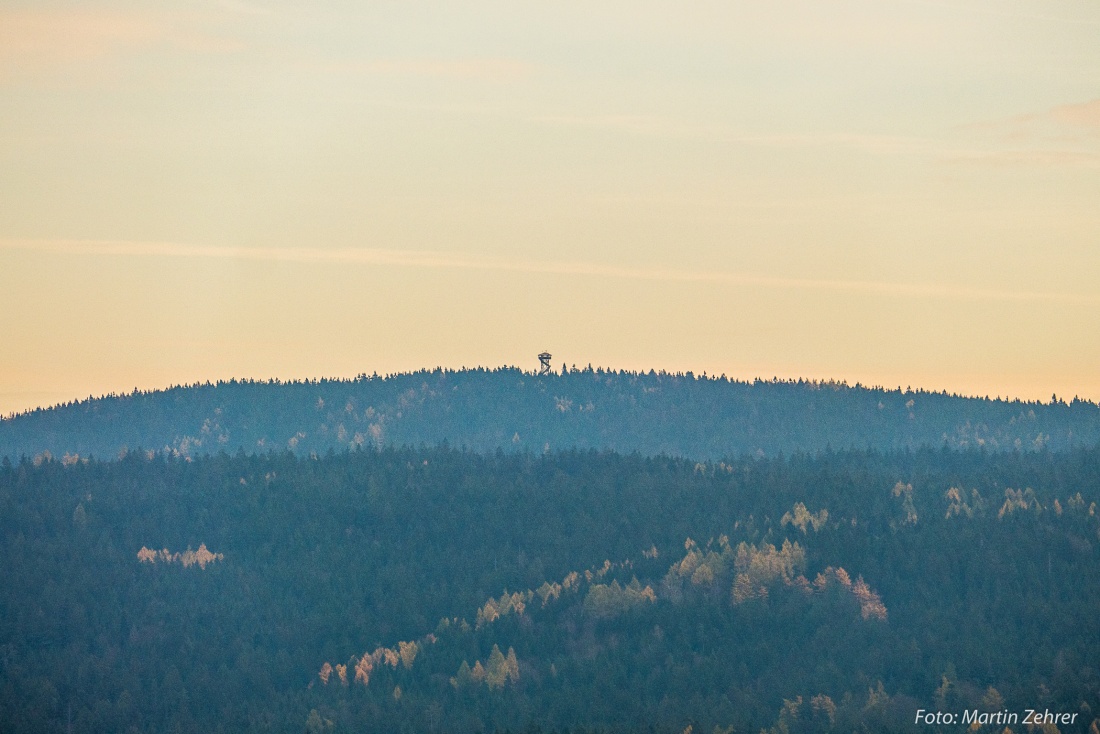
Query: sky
x,y
897,194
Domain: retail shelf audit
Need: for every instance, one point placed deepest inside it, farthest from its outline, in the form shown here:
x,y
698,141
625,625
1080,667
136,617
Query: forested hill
x,y
485,410
439,591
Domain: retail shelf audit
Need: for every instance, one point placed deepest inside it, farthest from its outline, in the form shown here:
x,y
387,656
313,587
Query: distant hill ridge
x,y
507,409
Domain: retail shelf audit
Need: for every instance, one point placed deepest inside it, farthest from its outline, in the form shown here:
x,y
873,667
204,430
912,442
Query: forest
x,y
679,414
425,589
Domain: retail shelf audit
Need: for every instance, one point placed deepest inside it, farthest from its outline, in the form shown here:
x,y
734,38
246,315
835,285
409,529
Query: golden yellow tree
x,y
363,669
487,614
496,669
407,651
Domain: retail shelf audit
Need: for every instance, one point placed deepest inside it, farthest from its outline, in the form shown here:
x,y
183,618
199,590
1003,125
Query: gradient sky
x,y
902,193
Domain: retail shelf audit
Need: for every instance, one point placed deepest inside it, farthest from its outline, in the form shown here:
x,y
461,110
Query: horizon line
x,y
774,380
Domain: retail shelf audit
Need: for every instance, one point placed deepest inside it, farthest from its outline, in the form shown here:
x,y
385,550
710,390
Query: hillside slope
x,y
486,410
437,590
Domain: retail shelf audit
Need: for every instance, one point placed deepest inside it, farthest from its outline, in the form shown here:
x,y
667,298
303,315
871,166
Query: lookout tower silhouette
x,y
544,363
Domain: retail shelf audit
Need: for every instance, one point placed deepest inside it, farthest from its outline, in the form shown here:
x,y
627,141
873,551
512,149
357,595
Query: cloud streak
x,y
52,37
1051,158
33,41
460,261
655,126
996,10
1065,136
1084,115
493,69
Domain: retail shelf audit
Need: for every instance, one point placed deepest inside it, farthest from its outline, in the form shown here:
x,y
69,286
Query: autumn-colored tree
x,y
202,557
822,705
487,614
743,589
788,716
870,604
905,492
610,600
496,669
689,563
802,518
519,602
703,576
548,591
759,568
1019,500
363,669
961,505
407,651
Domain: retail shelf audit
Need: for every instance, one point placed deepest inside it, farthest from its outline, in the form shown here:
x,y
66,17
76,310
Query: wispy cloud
x,y
1063,122
1063,136
1085,115
878,144
491,69
999,9
461,261
46,37
497,69
37,40
1058,158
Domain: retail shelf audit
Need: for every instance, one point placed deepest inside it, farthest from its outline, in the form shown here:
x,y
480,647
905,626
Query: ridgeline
x,y
507,409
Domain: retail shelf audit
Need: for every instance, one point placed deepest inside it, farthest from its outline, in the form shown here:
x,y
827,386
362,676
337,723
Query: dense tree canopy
x,y
438,589
485,410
